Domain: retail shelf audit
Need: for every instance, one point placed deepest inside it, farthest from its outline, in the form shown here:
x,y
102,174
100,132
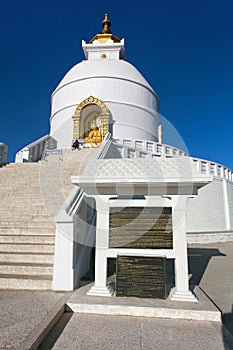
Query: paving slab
x,y
104,332
211,267
26,314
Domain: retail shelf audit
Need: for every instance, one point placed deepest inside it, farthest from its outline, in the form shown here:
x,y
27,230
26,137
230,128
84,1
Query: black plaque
x,y
142,277
141,228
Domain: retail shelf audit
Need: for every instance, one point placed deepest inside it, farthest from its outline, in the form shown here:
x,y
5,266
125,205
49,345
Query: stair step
x,y
26,247
6,216
29,225
26,257
16,202
19,193
24,198
21,208
25,282
26,269
26,171
26,264
45,239
26,231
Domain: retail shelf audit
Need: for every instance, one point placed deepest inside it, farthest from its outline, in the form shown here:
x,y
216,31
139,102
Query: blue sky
x,y
183,48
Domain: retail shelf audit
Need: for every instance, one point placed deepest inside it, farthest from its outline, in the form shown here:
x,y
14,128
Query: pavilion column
x,y
181,291
102,236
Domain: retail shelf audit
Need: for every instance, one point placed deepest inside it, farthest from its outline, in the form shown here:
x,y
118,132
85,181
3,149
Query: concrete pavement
x,y
211,267
101,332
26,317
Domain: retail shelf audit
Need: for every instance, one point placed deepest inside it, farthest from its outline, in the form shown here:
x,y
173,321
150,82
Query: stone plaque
x,y
142,277
140,228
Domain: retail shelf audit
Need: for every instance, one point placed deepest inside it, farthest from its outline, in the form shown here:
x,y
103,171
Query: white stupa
x,y
107,90
106,103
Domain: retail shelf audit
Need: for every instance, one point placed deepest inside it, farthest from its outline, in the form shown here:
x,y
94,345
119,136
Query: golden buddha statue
x,y
94,136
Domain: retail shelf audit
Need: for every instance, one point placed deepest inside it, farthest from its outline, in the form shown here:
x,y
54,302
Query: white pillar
x,y
226,205
102,236
181,291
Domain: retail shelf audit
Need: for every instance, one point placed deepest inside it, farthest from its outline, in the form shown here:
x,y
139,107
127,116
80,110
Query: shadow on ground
x,y
227,320
198,260
55,333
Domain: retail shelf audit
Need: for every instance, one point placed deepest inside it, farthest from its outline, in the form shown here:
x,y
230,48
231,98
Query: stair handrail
x,y
70,205
104,146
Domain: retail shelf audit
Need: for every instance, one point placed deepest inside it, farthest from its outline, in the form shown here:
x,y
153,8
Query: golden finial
x,y
106,23
106,33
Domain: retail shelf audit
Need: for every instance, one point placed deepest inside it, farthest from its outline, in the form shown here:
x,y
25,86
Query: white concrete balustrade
x,y
35,150
212,168
143,149
151,147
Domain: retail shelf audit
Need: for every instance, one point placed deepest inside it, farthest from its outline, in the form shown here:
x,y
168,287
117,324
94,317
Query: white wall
x,y
133,108
84,238
105,88
206,212
75,237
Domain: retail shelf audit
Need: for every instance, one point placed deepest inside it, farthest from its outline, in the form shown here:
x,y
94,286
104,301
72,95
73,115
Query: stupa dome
x,y
118,69
111,82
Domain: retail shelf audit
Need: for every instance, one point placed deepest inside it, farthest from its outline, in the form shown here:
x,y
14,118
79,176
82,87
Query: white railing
x,y
151,147
211,168
35,150
3,153
147,149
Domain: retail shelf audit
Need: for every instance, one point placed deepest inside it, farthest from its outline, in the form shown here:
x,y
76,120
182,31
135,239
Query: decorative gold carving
x,y
91,99
104,38
103,118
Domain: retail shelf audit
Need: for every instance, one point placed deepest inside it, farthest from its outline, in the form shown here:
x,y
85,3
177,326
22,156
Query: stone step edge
x,y
24,235
26,253
204,310
40,332
25,277
23,223
122,310
31,264
17,232
25,243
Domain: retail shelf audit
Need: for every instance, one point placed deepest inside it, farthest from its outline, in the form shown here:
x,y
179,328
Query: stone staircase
x,y
31,194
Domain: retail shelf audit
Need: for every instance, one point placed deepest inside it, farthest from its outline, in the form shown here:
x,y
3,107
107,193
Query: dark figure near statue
x,y
75,145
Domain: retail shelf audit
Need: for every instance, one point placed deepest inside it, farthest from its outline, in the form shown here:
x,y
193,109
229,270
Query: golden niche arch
x,y
90,111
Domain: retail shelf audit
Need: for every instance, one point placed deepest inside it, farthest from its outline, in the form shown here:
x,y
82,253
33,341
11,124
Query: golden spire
x,y
106,34
106,23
